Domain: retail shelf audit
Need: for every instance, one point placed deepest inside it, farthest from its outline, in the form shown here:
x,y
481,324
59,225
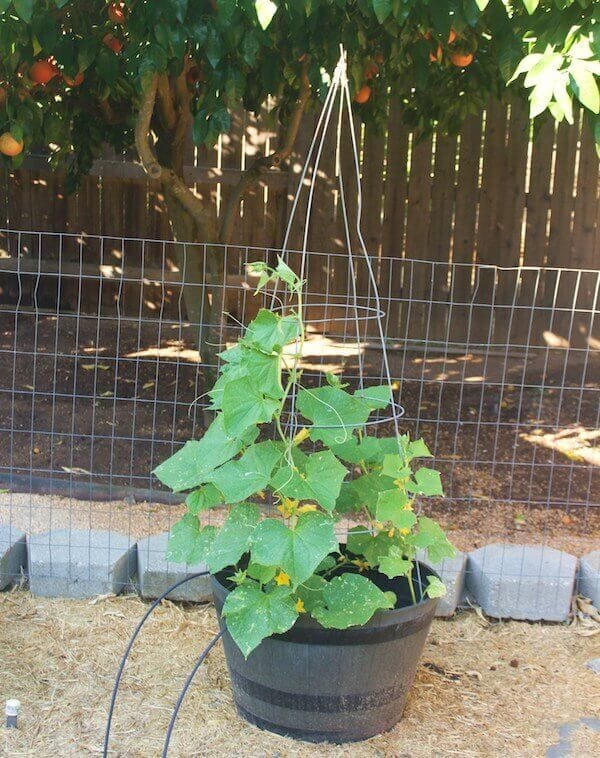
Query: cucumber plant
x,y
321,467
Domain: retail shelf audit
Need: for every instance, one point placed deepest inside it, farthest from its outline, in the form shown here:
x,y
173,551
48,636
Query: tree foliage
x,y
208,56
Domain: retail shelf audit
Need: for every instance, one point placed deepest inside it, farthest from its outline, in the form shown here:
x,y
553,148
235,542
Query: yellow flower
x,y
300,437
408,507
282,578
404,531
362,565
378,525
288,507
300,606
307,508
391,532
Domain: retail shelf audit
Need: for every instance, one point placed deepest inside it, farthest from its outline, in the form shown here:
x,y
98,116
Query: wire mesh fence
x,y
101,379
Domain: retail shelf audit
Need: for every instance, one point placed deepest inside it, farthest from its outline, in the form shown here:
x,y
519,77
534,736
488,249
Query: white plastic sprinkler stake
x,y
12,713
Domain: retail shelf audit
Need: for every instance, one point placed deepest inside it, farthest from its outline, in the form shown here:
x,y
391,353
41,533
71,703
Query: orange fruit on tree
x,y
42,72
462,59
451,36
363,94
437,56
75,81
113,43
116,13
9,145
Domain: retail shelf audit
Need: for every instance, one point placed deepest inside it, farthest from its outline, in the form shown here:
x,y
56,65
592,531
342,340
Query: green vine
x,y
286,565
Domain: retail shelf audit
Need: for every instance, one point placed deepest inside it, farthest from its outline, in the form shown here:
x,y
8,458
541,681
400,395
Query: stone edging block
x,y
13,555
588,583
156,574
80,563
530,582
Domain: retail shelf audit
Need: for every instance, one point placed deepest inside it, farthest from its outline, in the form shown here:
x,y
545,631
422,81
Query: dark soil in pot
x,y
331,685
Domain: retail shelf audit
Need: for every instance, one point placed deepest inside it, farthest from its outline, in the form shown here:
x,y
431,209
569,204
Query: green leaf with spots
x,y
418,449
320,481
298,550
253,614
426,482
189,543
191,465
311,592
435,587
395,563
247,475
233,538
351,600
244,405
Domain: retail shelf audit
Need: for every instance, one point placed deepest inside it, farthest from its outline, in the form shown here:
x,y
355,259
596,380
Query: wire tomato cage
x,y
350,311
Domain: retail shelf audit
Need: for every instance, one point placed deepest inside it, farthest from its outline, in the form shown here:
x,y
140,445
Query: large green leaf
x,y
430,536
191,465
24,9
189,543
201,499
265,10
377,397
334,413
585,85
372,547
244,406
253,614
382,9
247,475
269,331
391,507
427,482
351,600
395,563
363,491
320,481
233,539
367,450
298,550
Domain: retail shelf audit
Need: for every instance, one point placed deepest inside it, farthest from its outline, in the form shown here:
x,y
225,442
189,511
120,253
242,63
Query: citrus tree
x,y
78,75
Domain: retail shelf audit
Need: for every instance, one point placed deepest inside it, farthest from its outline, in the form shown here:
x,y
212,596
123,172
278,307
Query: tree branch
x,y
252,174
166,105
142,129
187,199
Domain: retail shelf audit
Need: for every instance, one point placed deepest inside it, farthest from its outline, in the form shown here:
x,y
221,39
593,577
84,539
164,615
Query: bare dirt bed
x,y
481,689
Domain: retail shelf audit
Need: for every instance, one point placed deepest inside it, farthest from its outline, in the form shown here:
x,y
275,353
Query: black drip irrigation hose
x,y
185,688
188,681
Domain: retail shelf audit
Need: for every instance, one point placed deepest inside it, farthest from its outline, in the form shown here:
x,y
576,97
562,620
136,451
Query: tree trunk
x,y
203,282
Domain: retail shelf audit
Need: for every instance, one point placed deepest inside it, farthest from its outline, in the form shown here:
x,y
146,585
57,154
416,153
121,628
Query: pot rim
x,y
383,618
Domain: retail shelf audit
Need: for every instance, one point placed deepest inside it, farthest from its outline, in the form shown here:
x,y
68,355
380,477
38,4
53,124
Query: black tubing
x,y
185,688
132,639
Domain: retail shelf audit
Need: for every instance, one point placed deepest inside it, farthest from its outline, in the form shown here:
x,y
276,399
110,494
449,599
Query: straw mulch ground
x,y
482,689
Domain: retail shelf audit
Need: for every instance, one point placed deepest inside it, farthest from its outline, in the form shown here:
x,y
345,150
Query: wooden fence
x,y
490,195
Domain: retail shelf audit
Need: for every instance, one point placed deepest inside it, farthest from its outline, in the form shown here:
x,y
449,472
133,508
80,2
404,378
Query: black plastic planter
x,y
330,685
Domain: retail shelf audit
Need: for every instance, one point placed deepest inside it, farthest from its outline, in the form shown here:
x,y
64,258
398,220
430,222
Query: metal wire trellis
x,y
99,373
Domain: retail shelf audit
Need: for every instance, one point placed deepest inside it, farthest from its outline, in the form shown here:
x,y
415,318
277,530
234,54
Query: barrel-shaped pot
x,y
330,685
